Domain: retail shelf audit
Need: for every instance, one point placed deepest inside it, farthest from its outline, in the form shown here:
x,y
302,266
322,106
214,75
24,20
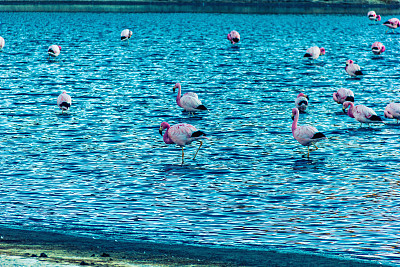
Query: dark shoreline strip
x,y
166,254
196,7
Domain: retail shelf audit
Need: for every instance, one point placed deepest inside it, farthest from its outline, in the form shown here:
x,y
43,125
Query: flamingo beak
x,y
344,110
307,97
160,130
292,117
173,89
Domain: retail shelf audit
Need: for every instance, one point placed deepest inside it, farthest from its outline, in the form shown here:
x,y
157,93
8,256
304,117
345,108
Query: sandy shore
x,y
33,248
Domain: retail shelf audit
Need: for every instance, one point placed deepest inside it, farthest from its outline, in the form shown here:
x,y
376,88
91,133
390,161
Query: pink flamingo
x,y
306,135
301,102
314,52
64,101
378,48
189,101
392,111
373,16
233,37
342,95
353,69
54,50
2,42
361,113
126,35
181,134
392,24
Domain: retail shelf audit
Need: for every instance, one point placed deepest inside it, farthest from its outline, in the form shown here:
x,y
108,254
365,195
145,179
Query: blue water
x,y
102,169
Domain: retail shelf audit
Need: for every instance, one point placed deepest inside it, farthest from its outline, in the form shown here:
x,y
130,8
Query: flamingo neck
x,y
178,97
166,138
294,124
350,111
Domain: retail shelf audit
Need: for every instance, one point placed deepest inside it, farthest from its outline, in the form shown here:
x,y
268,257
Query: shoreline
x,y
65,249
262,7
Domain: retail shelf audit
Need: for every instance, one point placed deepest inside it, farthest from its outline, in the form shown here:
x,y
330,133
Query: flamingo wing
x,y
64,97
181,134
190,102
304,134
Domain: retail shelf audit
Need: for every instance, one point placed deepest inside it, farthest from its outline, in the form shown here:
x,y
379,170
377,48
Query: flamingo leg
x,y
308,153
201,143
182,155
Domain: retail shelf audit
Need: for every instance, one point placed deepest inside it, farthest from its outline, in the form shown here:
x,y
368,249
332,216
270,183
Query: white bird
x,y
64,101
392,111
314,52
2,43
54,50
126,35
301,102
361,113
342,95
378,48
189,101
353,69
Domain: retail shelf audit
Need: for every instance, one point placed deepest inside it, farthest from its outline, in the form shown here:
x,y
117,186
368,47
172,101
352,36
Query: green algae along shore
x,y
204,6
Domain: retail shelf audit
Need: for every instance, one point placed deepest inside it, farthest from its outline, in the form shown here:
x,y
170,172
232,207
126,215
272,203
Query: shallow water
x,y
102,169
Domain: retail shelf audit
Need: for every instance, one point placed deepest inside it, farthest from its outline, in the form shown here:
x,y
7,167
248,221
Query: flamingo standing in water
x,y
233,37
181,134
314,52
2,42
189,101
378,48
342,95
126,35
373,16
392,111
352,69
306,135
361,113
301,102
54,50
392,24
64,101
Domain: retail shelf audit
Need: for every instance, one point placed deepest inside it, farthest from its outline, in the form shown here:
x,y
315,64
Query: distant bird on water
x,y
181,134
126,35
378,48
189,101
392,23
305,135
392,111
301,102
54,50
64,101
352,69
361,113
233,37
342,95
314,52
2,42
373,16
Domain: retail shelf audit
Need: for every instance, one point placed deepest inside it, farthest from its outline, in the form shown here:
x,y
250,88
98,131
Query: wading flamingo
x,y
181,134
64,101
342,95
233,37
392,24
392,111
189,101
2,42
373,16
126,35
314,52
361,113
306,135
378,48
301,102
352,69
54,50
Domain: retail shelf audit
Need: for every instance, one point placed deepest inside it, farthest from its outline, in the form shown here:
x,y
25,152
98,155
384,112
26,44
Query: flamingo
x,y
392,111
301,102
64,101
233,37
182,134
314,52
353,69
361,113
54,50
342,95
392,23
378,48
306,135
189,101
126,35
373,16
2,42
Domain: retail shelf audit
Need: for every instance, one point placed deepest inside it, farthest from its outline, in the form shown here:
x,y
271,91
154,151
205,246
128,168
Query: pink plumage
x,y
305,135
392,111
342,95
126,35
2,43
54,50
353,69
314,52
301,102
378,48
392,23
181,134
373,16
64,101
233,37
189,101
361,113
